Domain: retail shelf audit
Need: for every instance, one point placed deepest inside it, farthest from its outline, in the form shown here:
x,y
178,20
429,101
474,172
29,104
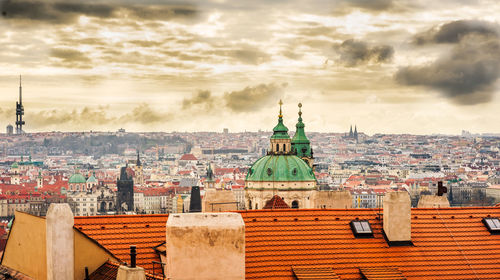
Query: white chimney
x,y
205,246
397,217
60,242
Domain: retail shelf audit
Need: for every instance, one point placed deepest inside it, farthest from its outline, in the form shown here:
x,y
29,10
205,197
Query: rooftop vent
x,y
361,228
493,225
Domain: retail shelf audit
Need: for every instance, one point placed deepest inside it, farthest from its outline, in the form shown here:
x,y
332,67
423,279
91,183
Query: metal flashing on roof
x,y
492,224
396,243
361,228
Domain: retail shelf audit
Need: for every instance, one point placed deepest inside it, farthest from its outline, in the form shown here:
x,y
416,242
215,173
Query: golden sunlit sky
x,y
388,66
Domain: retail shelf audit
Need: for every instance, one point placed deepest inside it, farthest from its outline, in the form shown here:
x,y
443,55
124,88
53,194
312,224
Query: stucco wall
x,y
25,250
205,246
258,198
397,216
213,197
333,199
282,185
88,254
433,201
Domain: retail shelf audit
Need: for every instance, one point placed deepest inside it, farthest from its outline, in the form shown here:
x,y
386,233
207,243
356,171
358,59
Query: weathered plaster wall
x,y
397,216
333,199
25,250
258,198
205,246
213,196
88,254
433,201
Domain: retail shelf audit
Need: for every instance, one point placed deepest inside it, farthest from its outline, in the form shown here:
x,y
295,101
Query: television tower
x,y
19,110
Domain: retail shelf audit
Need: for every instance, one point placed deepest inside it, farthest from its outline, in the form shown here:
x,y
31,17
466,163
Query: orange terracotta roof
x,y
117,233
317,273
449,243
381,273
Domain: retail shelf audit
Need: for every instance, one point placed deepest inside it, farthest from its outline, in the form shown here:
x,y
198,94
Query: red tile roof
x,y
276,202
117,233
449,243
188,157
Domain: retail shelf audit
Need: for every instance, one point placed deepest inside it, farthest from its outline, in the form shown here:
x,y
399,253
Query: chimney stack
x,y
205,246
397,218
435,201
60,242
195,201
131,272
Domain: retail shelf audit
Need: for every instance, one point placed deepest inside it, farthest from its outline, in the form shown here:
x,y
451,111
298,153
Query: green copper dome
x,y
15,165
280,168
77,179
92,179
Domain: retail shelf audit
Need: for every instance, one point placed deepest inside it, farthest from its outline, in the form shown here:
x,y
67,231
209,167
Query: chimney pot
x,y
133,254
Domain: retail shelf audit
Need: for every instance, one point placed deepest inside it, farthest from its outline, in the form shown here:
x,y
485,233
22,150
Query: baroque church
x,y
286,170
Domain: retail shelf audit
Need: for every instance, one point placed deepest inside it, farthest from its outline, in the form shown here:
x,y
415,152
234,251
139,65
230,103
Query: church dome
x,y
280,168
77,179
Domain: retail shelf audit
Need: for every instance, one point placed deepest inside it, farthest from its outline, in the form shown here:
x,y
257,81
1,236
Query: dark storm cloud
x,y
467,74
344,7
245,54
253,98
161,12
70,58
202,97
144,114
61,12
374,5
453,32
69,55
353,52
89,117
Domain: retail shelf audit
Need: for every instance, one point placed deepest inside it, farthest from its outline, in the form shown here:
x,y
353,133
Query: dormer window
x,y
361,228
492,224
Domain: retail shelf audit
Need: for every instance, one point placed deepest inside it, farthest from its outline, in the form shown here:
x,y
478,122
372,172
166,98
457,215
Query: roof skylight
x,y
361,228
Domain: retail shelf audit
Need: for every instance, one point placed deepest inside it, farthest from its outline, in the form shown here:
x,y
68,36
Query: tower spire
x,y
20,110
281,114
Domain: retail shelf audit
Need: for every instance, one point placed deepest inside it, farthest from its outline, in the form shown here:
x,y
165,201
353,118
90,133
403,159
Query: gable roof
x,y
449,243
116,233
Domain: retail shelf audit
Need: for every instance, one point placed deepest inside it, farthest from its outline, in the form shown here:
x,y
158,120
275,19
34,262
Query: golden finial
x,y
300,109
281,103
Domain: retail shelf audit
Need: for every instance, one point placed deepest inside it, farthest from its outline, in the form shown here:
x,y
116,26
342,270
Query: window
x,y
361,228
493,225
277,147
295,204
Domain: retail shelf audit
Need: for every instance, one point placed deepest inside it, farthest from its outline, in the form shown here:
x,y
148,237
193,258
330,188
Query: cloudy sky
x,y
389,66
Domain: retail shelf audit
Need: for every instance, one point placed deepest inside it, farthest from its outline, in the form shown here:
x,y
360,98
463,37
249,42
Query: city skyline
x,y
387,66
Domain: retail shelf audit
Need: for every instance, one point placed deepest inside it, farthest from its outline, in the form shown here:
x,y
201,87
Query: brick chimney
x,y
397,218
205,246
60,242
